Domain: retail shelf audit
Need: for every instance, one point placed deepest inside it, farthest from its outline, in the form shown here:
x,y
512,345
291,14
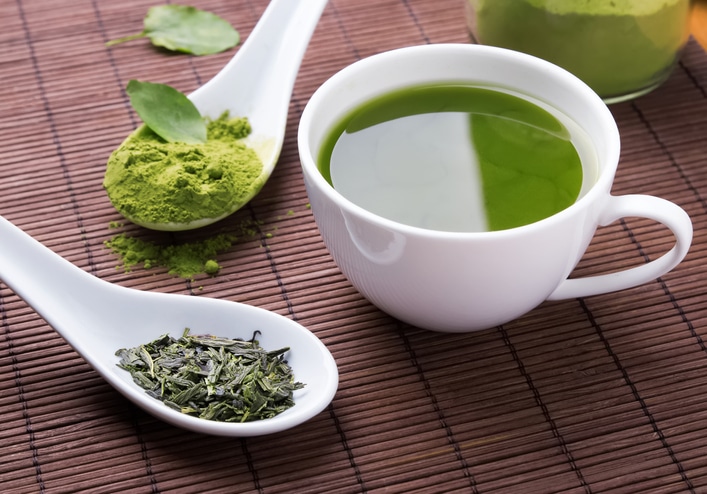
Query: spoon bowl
x,y
97,318
257,83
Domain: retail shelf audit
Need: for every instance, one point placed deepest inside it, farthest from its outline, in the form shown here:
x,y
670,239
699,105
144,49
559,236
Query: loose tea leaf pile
x,y
214,378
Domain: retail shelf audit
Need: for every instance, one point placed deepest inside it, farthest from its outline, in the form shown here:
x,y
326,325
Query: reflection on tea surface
x,y
458,158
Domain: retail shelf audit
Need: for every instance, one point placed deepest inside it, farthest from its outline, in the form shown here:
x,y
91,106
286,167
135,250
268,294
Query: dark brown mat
x,y
604,394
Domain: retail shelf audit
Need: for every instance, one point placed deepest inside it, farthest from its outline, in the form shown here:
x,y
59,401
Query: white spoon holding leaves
x,y
257,83
98,318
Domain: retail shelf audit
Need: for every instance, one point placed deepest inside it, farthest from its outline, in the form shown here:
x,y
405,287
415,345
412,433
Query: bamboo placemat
x,y
603,394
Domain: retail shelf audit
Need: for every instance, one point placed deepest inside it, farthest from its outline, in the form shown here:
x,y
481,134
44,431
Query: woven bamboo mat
x,y
603,394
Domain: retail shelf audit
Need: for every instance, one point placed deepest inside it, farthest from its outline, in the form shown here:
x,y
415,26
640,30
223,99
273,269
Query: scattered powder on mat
x,y
152,181
184,260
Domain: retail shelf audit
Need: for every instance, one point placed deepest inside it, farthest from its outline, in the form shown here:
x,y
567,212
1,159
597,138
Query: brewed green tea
x,y
456,157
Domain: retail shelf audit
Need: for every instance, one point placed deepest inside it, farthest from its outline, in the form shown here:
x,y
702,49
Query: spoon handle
x,y
54,287
269,59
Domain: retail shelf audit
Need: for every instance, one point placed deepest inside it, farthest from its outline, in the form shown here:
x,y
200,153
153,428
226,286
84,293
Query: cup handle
x,y
642,206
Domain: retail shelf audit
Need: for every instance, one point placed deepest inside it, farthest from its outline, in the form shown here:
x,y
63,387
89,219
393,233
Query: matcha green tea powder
x,y
153,182
185,260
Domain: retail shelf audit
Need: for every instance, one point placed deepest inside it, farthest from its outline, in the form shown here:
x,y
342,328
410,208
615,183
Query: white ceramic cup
x,y
458,282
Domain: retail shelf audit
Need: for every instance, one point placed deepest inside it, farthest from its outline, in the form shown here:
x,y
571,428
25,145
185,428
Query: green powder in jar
x,y
617,47
152,182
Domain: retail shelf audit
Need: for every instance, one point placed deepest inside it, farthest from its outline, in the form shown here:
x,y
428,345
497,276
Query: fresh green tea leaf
x,y
185,29
168,112
189,30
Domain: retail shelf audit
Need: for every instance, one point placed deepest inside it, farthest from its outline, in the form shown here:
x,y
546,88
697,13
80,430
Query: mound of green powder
x,y
184,260
151,181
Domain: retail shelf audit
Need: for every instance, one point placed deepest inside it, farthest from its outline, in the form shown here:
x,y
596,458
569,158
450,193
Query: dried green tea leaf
x,y
168,112
214,378
185,29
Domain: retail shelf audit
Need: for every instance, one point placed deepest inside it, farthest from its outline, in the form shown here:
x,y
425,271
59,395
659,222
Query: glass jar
x,y
621,48
698,22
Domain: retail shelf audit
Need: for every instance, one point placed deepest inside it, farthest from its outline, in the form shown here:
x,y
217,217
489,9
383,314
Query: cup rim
x,y
602,184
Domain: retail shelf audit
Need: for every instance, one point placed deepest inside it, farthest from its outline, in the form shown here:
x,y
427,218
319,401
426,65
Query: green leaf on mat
x,y
185,29
168,112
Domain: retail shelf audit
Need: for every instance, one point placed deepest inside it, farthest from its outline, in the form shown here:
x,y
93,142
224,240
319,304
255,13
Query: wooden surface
x,y
603,394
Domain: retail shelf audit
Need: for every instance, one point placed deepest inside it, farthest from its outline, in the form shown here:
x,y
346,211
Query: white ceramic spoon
x,y
257,83
97,318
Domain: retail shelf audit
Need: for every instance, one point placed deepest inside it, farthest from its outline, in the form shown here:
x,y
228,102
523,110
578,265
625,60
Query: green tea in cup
x,y
468,122
459,158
